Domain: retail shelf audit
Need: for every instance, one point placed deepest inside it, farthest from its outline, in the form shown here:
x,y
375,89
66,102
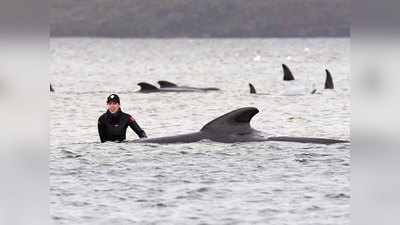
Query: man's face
x,y
113,107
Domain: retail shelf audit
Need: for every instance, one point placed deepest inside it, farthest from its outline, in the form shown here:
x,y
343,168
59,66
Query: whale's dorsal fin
x,y
287,74
51,88
146,87
329,80
166,84
252,89
234,121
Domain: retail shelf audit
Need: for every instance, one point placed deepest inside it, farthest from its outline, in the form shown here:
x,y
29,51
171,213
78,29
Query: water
x,y
205,182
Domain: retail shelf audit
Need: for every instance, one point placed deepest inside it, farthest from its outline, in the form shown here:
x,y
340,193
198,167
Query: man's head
x,y
113,103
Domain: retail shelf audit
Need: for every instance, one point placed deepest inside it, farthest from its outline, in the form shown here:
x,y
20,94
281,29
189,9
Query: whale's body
x,y
166,86
148,88
233,127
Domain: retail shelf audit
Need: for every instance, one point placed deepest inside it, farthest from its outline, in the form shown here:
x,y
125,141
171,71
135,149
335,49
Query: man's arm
x,y
102,130
135,127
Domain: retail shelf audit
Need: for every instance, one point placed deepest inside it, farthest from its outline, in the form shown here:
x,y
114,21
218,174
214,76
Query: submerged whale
x,y
328,80
290,92
233,127
328,85
149,88
167,84
287,74
254,91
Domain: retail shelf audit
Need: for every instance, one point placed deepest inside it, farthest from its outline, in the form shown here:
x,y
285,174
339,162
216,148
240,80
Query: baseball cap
x,y
113,98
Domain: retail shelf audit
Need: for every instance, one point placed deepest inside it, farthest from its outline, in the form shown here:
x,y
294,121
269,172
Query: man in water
x,y
112,124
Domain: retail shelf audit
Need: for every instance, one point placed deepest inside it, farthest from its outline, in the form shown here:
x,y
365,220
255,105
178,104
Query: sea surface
x,y
206,182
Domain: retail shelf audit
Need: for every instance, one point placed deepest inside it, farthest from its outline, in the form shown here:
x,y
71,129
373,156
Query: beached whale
x,y
233,127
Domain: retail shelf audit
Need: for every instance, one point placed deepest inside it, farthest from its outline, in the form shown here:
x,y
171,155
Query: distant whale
x,y
328,80
328,85
233,127
167,84
254,91
149,88
292,88
291,92
287,74
295,92
51,88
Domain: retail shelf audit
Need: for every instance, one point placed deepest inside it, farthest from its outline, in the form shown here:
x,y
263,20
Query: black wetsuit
x,y
112,126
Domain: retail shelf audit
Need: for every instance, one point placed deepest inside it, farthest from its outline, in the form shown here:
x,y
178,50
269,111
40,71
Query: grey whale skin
x,y
233,127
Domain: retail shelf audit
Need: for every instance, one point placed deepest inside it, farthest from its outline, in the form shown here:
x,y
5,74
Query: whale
x,y
149,88
290,92
254,91
292,88
287,74
328,80
51,88
168,84
328,85
234,127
